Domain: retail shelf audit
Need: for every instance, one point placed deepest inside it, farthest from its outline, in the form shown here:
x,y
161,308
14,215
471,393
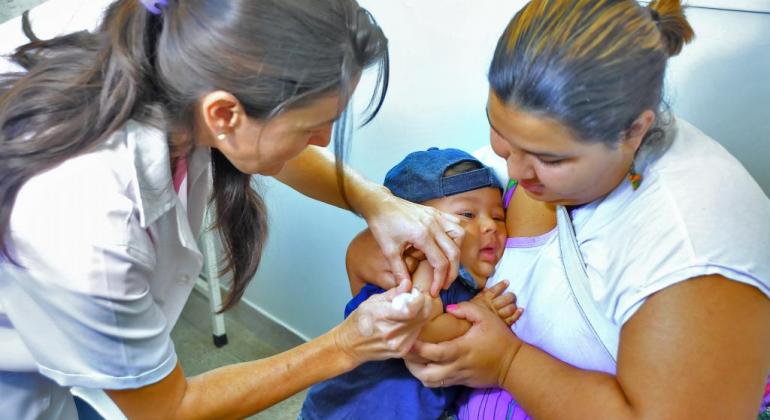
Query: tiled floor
x,y
250,336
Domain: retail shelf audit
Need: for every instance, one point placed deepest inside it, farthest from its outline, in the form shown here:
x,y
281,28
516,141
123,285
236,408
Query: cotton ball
x,y
401,301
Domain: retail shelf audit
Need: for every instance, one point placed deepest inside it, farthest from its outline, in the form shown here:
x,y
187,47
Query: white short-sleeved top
x,y
109,258
698,212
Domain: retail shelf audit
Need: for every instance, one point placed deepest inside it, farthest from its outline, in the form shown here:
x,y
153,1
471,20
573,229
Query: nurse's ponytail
x,y
272,55
76,90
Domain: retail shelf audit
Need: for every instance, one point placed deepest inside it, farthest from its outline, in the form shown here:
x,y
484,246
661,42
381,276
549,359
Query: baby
x,y
454,182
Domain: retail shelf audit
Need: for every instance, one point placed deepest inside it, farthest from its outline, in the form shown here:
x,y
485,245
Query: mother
x,y
108,144
673,233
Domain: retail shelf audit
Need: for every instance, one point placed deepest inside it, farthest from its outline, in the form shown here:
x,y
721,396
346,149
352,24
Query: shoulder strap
x,y
575,269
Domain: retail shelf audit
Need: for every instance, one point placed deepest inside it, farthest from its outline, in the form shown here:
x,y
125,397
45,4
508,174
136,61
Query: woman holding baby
x,y
649,297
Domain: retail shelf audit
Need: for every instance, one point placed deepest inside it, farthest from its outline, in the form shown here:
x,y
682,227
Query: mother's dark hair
x,y
272,55
593,65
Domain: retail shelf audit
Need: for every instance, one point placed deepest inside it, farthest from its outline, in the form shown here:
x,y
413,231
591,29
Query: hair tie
x,y
154,6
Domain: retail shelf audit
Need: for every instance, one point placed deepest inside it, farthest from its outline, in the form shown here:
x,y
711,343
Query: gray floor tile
x,y
257,339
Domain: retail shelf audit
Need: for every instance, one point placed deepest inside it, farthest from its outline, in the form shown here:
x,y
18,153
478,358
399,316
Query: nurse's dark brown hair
x,y
272,55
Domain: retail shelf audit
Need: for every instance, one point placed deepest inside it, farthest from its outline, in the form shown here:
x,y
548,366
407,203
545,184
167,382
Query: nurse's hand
x,y
366,263
480,358
399,225
377,330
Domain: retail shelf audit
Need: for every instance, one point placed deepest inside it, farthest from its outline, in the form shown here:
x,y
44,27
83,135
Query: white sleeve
x,y
682,236
82,303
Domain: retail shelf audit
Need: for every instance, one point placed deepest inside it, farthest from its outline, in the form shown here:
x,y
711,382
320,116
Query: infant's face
x,y
483,218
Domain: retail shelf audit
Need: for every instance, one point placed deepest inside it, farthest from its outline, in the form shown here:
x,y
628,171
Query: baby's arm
x,y
422,278
445,326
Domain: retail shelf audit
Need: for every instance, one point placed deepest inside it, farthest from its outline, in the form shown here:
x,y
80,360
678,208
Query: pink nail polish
x,y
451,308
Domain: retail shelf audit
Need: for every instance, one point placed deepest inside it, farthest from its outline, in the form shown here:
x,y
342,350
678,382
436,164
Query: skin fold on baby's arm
x,y
445,326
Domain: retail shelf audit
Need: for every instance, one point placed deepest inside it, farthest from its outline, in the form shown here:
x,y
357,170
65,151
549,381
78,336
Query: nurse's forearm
x,y
313,174
239,390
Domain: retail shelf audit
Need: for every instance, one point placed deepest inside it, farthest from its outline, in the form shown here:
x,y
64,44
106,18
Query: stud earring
x,y
222,136
634,178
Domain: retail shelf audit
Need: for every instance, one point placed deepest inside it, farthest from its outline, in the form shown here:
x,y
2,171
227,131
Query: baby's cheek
x,y
501,238
469,252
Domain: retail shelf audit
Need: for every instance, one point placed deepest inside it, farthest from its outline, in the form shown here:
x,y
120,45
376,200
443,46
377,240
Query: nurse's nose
x,y
321,137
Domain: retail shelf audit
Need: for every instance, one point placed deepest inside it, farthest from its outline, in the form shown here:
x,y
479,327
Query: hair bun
x,y
673,25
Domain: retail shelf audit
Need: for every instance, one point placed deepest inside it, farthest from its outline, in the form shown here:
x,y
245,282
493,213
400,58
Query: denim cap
x,y
420,176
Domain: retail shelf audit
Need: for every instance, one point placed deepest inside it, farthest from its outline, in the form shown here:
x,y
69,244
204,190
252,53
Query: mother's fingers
x,y
435,375
443,352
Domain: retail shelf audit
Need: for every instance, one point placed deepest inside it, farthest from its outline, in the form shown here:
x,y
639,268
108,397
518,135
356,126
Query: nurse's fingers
x,y
452,225
404,305
398,267
443,254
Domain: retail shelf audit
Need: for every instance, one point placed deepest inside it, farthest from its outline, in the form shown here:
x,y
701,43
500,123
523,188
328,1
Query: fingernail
x,y
451,308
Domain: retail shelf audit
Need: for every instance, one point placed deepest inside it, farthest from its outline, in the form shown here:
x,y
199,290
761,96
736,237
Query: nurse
x,y
651,298
113,143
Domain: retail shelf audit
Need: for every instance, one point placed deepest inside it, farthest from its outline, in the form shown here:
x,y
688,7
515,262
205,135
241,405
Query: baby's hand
x,y
503,304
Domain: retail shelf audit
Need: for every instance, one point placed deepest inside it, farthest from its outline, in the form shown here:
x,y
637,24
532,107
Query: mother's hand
x,y
480,358
399,224
376,330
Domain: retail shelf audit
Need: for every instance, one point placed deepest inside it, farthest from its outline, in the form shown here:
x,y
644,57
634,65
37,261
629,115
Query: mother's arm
x,y
698,349
395,223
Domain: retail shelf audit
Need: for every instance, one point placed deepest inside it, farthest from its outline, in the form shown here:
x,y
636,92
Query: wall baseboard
x,y
266,316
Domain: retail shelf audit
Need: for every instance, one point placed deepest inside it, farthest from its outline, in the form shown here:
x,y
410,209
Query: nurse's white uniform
x,y
109,257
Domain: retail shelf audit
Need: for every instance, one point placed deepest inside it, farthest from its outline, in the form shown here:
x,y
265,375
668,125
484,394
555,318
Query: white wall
x,y
721,83
440,50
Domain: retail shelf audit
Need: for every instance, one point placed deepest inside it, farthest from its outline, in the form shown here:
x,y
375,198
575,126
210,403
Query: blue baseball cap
x,y
420,176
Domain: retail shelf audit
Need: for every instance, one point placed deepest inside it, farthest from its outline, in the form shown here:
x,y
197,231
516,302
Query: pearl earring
x,y
222,136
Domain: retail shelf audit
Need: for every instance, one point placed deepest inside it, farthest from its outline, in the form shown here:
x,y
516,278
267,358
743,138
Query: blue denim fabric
x,y
420,176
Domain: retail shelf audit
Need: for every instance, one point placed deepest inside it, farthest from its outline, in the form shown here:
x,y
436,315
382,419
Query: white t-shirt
x,y
109,256
698,212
